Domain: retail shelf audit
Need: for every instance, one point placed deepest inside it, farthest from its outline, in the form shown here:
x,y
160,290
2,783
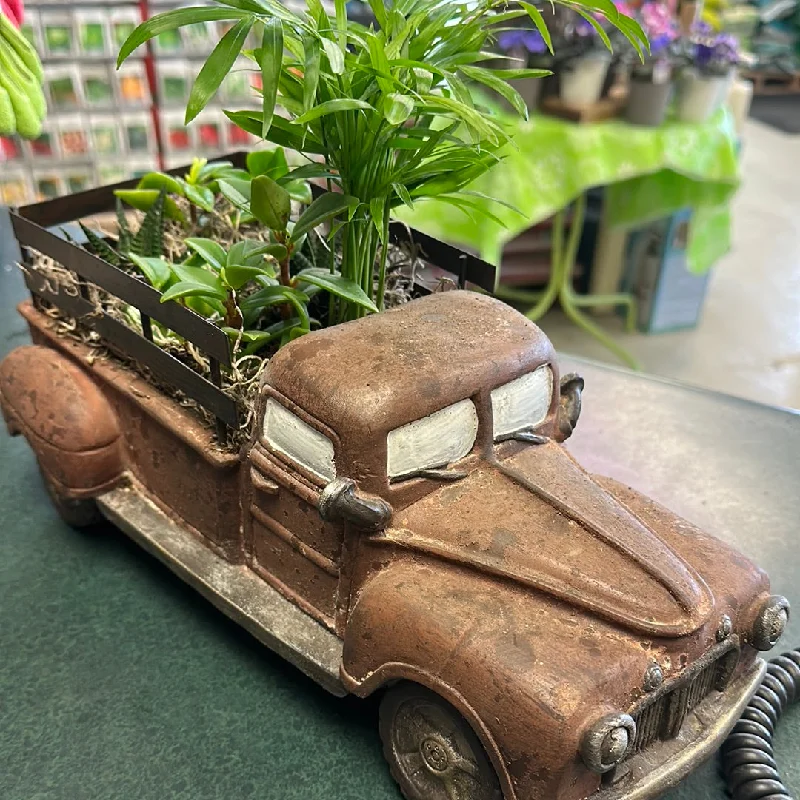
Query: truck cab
x,y
405,518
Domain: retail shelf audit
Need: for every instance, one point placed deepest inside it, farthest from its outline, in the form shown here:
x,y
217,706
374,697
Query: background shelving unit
x,y
105,125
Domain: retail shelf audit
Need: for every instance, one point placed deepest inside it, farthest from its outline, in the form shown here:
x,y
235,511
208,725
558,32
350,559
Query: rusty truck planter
x,y
405,518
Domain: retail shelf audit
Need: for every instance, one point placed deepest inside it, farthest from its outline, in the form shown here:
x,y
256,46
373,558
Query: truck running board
x,y
232,588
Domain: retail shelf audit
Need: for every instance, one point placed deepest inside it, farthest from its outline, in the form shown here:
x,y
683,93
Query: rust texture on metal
x,y
419,351
562,636
65,416
129,344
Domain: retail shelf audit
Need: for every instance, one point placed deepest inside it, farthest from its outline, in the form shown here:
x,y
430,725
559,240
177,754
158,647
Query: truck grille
x,y
663,718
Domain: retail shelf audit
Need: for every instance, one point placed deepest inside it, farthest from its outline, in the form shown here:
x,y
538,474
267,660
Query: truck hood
x,y
540,520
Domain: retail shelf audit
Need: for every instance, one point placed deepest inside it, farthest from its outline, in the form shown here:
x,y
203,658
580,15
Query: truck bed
x,y
168,449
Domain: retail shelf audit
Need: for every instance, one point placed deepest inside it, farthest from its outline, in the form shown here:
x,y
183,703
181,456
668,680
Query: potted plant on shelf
x,y
583,70
705,80
650,84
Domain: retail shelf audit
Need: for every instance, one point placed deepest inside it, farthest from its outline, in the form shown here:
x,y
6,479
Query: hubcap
x,y
433,753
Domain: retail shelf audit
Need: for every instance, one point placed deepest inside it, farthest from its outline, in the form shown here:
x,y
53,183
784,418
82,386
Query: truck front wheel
x,y
432,751
75,513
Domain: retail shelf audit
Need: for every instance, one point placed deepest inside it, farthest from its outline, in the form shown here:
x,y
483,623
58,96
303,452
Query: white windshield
x,y
522,403
434,441
290,436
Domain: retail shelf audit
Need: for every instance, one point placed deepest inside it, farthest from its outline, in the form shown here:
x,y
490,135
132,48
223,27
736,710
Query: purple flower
x,y
701,29
522,39
726,48
660,43
715,52
584,29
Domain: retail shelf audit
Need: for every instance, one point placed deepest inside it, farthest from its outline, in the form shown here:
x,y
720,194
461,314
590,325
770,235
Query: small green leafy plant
x,y
199,186
385,115
148,241
241,286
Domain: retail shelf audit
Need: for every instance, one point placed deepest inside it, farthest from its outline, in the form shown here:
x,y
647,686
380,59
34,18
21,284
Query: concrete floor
x,y
748,341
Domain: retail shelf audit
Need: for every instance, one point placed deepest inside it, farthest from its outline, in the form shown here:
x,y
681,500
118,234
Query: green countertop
x,y
117,682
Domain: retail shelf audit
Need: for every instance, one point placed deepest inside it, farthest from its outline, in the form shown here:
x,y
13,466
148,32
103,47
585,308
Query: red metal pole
x,y
152,80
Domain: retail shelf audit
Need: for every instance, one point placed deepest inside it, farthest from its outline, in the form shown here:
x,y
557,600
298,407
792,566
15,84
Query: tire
x,y
75,513
432,751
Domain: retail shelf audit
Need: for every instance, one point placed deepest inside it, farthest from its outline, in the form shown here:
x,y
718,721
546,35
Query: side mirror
x,y
341,500
569,405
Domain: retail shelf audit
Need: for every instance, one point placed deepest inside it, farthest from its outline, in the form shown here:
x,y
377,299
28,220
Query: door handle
x,y
262,484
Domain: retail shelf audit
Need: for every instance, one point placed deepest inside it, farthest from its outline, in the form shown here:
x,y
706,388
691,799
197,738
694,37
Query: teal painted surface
x,y
118,681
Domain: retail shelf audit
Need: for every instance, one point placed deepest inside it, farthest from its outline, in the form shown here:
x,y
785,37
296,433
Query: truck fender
x,y
366,668
390,673
66,419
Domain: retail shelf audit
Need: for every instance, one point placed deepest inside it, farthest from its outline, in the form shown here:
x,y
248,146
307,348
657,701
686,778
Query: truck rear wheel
x,y
432,751
75,513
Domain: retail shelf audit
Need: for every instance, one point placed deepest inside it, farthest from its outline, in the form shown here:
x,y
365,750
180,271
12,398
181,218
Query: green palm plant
x,y
384,114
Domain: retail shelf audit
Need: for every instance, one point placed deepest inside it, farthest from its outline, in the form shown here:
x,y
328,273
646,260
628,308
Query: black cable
x,y
748,759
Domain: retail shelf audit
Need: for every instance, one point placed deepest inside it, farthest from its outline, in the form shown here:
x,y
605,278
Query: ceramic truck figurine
x,y
405,519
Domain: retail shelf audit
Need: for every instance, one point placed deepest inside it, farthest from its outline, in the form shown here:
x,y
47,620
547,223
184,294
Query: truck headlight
x,y
607,742
770,623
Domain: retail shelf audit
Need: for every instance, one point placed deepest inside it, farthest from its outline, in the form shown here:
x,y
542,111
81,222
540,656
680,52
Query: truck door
x,y
286,541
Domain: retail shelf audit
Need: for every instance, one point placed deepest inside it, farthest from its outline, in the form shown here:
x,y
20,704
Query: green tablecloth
x,y
649,172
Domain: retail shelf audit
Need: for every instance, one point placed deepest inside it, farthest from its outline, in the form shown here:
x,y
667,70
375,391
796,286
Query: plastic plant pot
x,y
647,102
699,96
582,79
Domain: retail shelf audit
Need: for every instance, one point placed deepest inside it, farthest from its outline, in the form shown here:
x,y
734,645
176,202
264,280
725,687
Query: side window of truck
x,y
523,403
288,435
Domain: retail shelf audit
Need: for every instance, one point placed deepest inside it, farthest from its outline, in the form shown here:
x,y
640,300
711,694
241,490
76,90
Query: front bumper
x,y
657,769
